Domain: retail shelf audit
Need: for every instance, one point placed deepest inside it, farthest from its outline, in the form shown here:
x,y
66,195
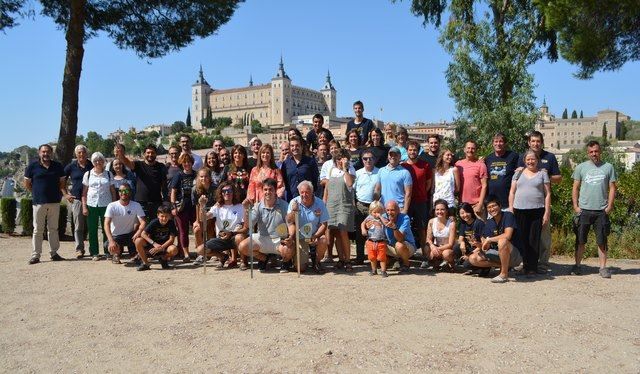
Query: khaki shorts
x,y
391,250
267,244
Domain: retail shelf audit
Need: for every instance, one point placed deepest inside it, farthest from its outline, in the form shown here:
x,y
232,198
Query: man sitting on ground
x,y
313,221
273,236
500,232
157,239
120,221
398,230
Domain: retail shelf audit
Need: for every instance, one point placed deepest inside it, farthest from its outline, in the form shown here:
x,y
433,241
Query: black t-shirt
x,y
474,230
150,181
159,233
312,137
548,161
381,154
431,160
252,161
183,183
75,173
356,158
493,228
210,194
363,128
500,170
45,182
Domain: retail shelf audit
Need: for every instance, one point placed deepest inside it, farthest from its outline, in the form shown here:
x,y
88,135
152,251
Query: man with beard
x,y
314,133
255,145
419,207
120,221
298,167
151,178
46,180
224,156
186,144
473,174
501,166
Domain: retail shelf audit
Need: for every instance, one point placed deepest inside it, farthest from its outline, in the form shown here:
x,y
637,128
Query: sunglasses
x,y
227,191
367,158
125,190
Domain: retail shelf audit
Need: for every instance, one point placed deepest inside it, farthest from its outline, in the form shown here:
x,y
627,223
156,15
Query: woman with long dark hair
x,y
238,169
352,144
217,172
205,187
446,178
180,197
376,145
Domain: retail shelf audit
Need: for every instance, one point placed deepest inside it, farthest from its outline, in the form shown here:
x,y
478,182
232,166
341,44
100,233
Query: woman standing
x,y
183,207
353,146
121,175
441,236
204,186
530,202
218,174
338,176
378,148
265,168
97,193
238,170
446,179
173,166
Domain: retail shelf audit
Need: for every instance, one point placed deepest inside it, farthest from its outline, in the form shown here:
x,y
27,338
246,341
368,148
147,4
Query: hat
x,y
395,150
253,140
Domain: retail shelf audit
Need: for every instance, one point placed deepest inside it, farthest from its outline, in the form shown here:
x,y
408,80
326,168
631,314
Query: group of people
x,y
396,200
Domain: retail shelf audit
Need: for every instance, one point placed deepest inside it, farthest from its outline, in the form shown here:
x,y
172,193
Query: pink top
x,y
471,174
255,182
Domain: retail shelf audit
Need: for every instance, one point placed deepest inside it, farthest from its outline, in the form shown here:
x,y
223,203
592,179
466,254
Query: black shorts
x,y
419,213
219,245
601,226
124,240
148,247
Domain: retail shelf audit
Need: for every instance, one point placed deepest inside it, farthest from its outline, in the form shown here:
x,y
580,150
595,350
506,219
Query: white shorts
x,y
267,244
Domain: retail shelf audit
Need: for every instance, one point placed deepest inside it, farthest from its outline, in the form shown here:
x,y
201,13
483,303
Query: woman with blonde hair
x,y
446,179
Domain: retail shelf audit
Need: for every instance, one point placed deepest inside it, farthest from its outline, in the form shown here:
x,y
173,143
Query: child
x,y
376,244
157,239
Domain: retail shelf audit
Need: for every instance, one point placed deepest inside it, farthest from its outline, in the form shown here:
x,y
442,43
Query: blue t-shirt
x,y
501,170
403,222
548,161
75,173
393,182
493,228
45,182
316,214
475,230
293,173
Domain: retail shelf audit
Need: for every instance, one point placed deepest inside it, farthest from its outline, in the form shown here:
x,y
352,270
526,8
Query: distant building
x,y
273,104
161,129
420,131
570,133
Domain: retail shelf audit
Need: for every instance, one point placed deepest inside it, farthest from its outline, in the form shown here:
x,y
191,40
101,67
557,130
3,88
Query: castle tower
x,y
281,97
199,100
329,94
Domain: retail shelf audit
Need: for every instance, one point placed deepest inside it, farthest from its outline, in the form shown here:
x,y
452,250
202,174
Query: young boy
x,y
376,244
157,240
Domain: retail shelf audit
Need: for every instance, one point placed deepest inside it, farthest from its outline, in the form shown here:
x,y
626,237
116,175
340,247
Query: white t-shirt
x,y
228,217
330,170
99,192
123,217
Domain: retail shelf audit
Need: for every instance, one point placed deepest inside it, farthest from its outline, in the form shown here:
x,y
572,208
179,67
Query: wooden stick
x,y
250,242
297,222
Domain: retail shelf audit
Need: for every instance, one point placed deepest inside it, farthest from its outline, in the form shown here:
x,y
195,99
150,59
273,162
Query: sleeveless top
x,y
445,187
440,236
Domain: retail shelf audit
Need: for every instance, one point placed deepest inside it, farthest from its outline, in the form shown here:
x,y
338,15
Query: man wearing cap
x,y
397,181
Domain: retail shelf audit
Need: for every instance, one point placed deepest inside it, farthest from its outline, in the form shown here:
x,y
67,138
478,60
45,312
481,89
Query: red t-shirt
x,y
420,174
471,174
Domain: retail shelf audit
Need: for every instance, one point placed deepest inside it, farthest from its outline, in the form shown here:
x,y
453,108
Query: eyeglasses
x,y
125,190
227,191
367,158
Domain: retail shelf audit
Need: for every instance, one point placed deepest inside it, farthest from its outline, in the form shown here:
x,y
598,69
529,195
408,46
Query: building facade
x,y
273,104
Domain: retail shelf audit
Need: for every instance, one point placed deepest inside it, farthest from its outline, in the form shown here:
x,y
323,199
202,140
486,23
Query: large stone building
x,y
562,133
273,103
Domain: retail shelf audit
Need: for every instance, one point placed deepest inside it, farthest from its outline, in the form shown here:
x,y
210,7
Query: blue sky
x,y
377,51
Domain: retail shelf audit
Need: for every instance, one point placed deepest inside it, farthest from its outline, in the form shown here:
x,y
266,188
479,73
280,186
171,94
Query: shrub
x,y
8,210
26,216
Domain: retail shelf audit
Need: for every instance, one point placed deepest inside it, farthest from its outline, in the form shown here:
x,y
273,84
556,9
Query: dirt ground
x,y
84,316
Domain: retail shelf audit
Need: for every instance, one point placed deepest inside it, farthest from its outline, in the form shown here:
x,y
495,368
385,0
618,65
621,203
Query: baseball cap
x,y
395,150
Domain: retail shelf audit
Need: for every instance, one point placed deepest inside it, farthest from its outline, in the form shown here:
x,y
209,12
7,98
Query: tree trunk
x,y
71,81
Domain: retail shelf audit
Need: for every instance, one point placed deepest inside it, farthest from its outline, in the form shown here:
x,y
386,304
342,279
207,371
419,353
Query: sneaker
x,y
373,272
396,266
199,261
404,268
95,258
135,261
143,267
57,257
384,274
243,266
519,267
186,260
263,266
605,273
232,264
284,268
499,279
79,254
318,269
116,259
576,270
164,264
327,260
34,260
107,256
358,261
424,265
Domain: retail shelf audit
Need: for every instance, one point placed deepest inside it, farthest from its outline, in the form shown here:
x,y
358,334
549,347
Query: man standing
x,y
419,207
75,172
284,152
225,157
186,144
314,133
46,180
501,165
150,180
594,189
397,182
217,146
433,150
255,145
120,221
367,189
298,167
398,231
473,178
549,163
360,123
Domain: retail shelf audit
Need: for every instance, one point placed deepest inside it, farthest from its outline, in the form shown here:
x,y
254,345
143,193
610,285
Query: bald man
x,y
398,231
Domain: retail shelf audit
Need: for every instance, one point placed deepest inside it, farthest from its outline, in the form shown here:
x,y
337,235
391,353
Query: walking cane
x,y
203,210
250,242
297,222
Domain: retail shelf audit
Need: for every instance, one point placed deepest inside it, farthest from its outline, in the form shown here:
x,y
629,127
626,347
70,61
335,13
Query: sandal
x,y
232,264
222,262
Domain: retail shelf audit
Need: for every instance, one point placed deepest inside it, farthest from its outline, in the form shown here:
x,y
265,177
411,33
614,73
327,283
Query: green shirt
x,y
594,184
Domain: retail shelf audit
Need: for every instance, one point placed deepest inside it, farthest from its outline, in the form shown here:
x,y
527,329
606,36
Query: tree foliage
x,y
596,35
256,127
150,28
188,120
574,114
565,114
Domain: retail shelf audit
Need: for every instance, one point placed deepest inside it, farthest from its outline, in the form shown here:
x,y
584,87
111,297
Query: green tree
x,y
565,115
188,121
177,127
595,35
151,28
581,115
574,114
604,132
256,127
488,77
